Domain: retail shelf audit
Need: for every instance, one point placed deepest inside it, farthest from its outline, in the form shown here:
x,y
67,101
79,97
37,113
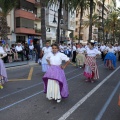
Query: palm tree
x,y
107,28
103,7
95,20
91,4
43,26
5,7
114,22
80,5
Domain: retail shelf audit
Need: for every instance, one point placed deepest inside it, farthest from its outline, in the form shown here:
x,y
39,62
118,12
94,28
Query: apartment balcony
x,y
37,31
100,2
24,14
37,2
25,31
31,1
82,32
38,17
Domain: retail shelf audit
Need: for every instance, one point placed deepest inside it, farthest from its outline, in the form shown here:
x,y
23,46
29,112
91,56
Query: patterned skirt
x,y
91,70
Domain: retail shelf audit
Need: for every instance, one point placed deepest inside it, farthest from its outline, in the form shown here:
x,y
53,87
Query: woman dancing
x,y
110,58
91,70
55,84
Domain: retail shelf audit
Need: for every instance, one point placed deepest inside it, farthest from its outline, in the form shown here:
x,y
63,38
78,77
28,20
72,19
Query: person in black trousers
x,y
37,51
74,53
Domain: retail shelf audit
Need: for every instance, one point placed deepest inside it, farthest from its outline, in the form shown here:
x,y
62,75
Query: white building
x,y
65,28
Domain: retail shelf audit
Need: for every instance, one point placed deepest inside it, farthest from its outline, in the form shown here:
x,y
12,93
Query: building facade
x,y
109,4
66,27
24,22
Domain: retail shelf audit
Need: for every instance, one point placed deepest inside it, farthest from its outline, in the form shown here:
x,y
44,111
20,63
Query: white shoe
x,y
50,98
58,100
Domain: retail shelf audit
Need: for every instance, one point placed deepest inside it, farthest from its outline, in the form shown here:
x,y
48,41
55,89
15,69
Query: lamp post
x,y
59,19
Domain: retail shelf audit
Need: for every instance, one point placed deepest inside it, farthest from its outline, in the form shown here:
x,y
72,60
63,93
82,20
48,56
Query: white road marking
x,y
99,116
79,103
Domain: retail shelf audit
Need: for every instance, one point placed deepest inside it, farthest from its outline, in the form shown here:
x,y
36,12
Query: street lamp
x,y
59,19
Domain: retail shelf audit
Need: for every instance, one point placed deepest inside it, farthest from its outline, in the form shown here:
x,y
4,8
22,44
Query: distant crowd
x,y
17,51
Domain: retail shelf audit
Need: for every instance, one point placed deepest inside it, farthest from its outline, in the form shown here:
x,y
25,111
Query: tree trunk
x,y
81,16
103,18
43,24
90,27
3,28
106,37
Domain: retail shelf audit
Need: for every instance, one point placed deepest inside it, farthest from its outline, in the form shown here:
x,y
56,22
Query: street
x,y
23,99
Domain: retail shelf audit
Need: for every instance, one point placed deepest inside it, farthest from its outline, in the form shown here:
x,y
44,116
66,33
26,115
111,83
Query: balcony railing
x,y
37,0
38,15
37,30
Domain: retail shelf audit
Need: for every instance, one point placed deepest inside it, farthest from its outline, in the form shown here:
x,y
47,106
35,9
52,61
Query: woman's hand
x,y
63,67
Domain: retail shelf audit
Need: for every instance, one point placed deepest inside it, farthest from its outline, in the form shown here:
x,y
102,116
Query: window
x,y
76,30
25,23
77,15
76,22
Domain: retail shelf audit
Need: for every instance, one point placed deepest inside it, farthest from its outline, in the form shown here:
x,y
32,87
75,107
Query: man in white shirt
x,y
102,48
19,50
61,47
31,48
74,53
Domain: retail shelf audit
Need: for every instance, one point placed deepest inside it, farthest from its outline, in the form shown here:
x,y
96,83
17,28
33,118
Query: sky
x,y
118,3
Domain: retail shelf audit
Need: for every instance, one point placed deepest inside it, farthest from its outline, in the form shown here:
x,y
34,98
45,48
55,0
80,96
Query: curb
x,y
21,66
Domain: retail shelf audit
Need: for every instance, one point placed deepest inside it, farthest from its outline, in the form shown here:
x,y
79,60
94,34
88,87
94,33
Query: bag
x,y
119,101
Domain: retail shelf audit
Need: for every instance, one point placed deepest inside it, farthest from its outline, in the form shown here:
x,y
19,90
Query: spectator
x,y
26,49
37,51
9,53
14,52
31,48
19,50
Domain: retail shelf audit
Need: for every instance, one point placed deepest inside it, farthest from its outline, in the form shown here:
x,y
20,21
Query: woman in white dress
x,y
3,74
80,58
55,84
110,58
91,70
45,51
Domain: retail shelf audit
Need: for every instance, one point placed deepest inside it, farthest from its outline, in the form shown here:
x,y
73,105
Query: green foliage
x,y
6,6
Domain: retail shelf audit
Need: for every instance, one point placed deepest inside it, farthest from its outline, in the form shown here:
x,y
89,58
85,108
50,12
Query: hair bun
x,y
92,41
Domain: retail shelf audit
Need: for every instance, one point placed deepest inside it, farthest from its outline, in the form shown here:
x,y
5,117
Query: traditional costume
x,y
80,58
110,58
55,84
91,70
44,63
3,73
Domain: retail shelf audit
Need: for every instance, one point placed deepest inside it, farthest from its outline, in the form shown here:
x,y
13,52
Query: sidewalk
x,y
20,63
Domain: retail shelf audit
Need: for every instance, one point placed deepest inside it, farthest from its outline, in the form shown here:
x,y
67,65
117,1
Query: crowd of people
x,y
51,57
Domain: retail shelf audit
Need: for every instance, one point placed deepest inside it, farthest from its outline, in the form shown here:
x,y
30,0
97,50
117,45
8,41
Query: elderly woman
x,y
9,52
3,74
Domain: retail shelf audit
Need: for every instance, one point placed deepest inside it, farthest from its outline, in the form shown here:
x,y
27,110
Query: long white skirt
x,y
53,90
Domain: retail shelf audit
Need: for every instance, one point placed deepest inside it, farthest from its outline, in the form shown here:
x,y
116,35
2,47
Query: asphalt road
x,y
23,99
